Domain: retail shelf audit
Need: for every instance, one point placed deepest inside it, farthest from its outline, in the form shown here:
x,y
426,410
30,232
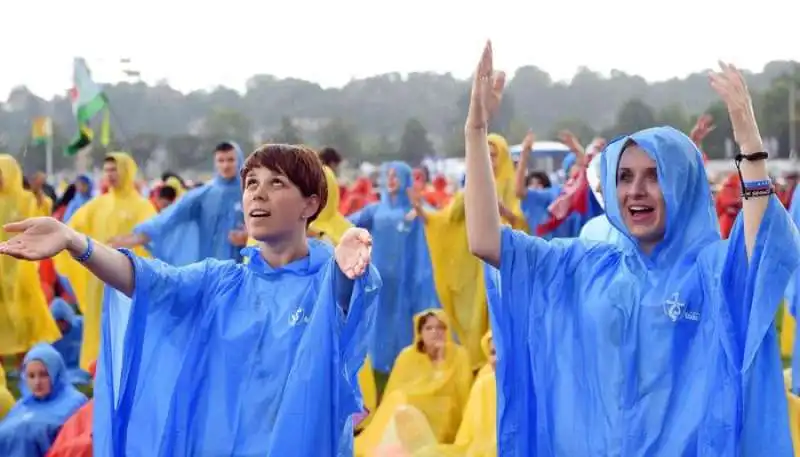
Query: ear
x,y
311,207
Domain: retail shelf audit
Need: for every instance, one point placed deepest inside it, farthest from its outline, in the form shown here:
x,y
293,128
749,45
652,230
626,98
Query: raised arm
x,y
520,185
44,237
731,87
483,215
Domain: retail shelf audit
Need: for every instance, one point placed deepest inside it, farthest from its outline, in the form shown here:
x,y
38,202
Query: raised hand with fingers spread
x,y
487,91
731,87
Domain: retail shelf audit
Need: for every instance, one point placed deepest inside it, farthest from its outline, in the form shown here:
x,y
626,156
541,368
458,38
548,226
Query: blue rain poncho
x,y
197,225
599,228
793,297
603,350
400,253
220,358
32,424
69,346
80,198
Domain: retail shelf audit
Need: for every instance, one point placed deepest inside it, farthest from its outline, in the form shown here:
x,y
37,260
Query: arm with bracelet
x,y
43,237
751,162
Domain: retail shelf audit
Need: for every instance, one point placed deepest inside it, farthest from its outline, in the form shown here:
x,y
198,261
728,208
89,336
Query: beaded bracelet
x,y
752,189
89,251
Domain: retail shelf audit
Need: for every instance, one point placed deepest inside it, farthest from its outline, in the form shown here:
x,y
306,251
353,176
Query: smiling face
x,y
640,199
38,379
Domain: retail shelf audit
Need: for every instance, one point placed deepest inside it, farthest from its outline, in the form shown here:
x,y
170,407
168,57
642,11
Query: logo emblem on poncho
x,y
674,308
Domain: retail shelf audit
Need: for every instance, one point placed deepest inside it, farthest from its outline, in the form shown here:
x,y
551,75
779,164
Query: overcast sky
x,y
204,43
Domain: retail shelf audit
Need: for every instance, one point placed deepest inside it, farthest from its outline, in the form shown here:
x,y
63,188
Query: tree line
x,y
391,116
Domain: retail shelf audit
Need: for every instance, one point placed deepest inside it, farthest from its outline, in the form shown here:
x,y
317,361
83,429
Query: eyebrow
x,y
628,169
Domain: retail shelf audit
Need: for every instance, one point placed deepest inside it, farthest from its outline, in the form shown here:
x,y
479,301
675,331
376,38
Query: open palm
x,y
487,91
354,252
37,238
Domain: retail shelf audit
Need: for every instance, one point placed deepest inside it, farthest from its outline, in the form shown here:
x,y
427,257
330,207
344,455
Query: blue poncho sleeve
x,y
752,291
533,274
174,234
364,217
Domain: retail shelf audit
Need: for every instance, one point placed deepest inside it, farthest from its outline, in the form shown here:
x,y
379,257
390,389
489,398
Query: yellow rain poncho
x,y
788,326
794,411
504,179
409,433
440,391
332,225
104,217
25,317
176,186
6,399
458,276
44,207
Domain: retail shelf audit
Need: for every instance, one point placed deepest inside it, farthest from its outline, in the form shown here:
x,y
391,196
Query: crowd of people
x,y
626,305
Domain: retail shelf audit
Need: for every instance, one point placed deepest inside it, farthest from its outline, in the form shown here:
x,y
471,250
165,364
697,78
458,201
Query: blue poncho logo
x,y
674,308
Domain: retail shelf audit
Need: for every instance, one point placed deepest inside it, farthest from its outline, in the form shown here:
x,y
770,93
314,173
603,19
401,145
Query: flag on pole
x,y
81,140
42,130
88,100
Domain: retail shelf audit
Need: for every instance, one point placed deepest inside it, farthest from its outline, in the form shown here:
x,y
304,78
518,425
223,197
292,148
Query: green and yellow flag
x,y
88,100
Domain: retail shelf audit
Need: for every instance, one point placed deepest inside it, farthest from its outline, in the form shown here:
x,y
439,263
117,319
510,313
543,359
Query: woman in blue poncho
x,y
48,400
401,255
223,358
661,344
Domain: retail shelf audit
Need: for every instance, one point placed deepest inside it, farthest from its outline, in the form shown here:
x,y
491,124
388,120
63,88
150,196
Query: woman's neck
x,y
280,252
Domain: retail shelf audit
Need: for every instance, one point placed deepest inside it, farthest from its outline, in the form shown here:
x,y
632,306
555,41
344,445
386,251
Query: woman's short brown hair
x,y
300,164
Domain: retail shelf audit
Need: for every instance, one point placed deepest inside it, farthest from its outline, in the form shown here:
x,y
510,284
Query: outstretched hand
x,y
487,91
354,252
37,238
731,87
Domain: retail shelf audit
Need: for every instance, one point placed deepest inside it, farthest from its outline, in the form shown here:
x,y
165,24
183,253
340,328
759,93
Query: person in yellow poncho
x,y
505,182
104,217
6,399
410,435
331,225
25,318
44,204
457,273
432,375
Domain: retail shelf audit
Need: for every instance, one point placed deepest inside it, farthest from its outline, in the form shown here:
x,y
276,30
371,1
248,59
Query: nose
x,y
638,188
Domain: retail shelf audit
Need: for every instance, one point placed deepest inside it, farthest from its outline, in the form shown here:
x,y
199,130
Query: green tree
x,y
380,149
228,124
772,108
714,144
414,144
633,116
674,115
578,127
288,133
343,137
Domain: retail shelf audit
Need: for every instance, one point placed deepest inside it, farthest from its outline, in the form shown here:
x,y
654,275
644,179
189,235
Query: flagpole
x,y
49,163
